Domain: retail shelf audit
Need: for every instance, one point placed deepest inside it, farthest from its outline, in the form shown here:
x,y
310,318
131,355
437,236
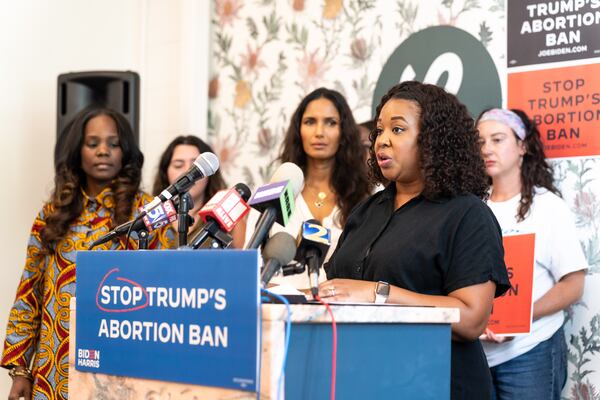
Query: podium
x,y
418,367
383,351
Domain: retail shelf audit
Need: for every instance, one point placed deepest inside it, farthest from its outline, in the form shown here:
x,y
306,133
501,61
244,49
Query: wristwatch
x,y
382,292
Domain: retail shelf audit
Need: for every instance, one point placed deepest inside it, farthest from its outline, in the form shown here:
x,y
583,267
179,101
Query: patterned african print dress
x,y
38,325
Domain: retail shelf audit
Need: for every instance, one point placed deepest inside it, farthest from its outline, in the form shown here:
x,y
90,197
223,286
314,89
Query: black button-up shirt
x,y
429,247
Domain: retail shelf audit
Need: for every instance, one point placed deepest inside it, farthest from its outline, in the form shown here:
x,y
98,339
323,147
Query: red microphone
x,y
225,209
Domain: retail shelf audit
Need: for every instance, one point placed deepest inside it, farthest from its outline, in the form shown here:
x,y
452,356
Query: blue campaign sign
x,y
181,316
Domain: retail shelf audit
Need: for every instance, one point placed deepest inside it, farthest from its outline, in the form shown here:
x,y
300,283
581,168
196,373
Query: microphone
x,y
276,201
156,218
205,165
279,251
313,243
225,209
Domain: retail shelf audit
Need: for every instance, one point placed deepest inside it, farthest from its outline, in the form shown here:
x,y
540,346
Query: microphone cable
x,y
141,215
288,329
333,346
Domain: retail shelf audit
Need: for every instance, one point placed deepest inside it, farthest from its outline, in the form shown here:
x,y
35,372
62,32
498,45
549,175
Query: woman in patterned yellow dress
x,y
98,172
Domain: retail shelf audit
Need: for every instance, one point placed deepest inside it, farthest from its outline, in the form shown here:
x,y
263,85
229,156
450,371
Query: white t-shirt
x,y
557,253
301,213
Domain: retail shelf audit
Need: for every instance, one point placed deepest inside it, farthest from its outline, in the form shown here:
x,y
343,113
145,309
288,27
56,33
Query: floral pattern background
x,y
267,54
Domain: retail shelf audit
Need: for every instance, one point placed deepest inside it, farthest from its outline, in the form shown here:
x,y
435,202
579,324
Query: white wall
x,y
165,41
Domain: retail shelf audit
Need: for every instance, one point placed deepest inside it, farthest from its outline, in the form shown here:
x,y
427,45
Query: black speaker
x,y
118,90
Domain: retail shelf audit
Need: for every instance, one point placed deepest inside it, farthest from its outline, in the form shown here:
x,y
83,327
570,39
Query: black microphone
x,y
276,201
313,243
278,251
156,218
205,165
221,213
293,268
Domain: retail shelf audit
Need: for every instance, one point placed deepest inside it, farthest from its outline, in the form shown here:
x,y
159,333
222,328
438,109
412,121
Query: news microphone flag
x,y
278,195
161,215
316,234
226,207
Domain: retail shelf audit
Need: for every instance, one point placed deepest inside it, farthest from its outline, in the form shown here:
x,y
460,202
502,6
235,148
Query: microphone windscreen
x,y
281,247
208,163
289,171
243,190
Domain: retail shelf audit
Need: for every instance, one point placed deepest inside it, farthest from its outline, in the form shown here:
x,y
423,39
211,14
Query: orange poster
x,y
511,313
565,104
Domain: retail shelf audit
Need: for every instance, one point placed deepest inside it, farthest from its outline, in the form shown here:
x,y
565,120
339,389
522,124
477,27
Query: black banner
x,y
549,31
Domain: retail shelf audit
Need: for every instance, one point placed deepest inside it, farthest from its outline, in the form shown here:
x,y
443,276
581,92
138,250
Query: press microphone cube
x,y
226,207
278,195
316,233
161,215
313,236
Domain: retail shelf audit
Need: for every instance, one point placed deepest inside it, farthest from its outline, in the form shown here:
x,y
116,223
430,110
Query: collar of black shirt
x,y
389,193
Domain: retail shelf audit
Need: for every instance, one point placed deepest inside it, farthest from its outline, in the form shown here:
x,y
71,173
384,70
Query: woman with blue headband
x,y
524,199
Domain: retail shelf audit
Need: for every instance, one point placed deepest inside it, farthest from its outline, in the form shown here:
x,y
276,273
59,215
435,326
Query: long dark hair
x,y
449,152
215,181
535,170
349,179
67,197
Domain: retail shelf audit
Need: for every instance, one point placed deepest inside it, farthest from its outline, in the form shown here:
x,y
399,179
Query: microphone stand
x,y
185,205
293,268
221,239
142,239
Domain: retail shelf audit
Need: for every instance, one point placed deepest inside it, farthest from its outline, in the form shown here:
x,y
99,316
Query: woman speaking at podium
x,y
96,187
428,238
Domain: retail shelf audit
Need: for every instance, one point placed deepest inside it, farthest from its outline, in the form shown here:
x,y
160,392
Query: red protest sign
x,y
511,313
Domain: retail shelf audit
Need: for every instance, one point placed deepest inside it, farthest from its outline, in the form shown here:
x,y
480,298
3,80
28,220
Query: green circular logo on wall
x,y
450,58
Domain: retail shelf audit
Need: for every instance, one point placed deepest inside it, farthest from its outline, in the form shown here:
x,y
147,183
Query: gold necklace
x,y
321,199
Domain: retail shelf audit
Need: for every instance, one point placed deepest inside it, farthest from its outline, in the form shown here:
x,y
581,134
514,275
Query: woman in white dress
x,y
324,141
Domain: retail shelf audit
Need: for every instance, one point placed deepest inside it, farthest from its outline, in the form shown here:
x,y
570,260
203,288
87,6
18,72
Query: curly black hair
x,y
449,151
535,170
349,179
161,181
67,198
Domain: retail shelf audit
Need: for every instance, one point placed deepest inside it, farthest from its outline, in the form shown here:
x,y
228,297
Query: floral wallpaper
x,y
267,54
579,182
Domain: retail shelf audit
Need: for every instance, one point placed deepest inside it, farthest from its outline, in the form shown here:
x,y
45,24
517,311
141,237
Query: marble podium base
x,y
308,320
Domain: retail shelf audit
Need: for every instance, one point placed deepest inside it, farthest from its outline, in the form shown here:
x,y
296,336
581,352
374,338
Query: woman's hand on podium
x,y
348,290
